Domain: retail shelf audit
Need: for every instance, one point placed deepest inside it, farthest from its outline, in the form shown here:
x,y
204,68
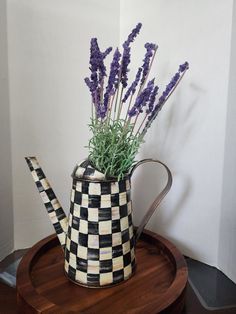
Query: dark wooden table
x,y
158,286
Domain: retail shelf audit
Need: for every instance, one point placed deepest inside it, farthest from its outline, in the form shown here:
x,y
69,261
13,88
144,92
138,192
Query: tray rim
x,y
169,297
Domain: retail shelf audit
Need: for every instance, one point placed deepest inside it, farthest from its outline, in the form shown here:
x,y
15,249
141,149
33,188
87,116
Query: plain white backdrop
x,y
49,107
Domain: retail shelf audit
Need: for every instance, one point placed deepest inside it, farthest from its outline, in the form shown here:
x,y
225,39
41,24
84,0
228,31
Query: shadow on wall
x,y
167,140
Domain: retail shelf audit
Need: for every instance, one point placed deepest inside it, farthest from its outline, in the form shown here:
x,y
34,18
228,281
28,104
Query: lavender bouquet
x,y
121,112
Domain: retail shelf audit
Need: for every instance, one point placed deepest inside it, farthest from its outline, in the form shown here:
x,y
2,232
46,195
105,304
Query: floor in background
x,y
8,267
8,276
214,289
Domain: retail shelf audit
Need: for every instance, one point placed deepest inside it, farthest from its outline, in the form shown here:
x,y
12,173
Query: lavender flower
x,y
106,52
152,100
132,88
163,97
126,54
142,99
183,66
146,61
98,73
168,90
113,79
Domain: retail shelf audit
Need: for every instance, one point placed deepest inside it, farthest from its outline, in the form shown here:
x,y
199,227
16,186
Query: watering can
x,y
98,237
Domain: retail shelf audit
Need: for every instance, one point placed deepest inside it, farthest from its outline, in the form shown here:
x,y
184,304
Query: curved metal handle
x,y
157,200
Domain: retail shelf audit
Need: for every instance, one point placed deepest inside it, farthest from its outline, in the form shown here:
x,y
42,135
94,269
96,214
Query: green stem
x,y
128,107
117,95
135,121
92,111
111,105
120,103
141,124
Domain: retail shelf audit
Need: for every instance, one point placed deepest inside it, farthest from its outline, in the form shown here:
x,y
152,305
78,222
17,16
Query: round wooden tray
x,y
158,284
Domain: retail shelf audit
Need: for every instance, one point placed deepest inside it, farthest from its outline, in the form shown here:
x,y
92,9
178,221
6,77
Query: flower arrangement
x,y
121,112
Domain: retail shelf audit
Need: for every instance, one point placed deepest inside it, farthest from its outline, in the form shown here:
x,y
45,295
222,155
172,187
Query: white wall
x,y
6,208
48,44
227,247
50,105
190,132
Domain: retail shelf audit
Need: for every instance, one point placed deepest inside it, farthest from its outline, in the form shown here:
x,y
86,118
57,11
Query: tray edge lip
x,y
34,251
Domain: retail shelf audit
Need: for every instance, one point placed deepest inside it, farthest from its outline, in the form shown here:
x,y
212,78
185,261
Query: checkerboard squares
x,y
127,271
126,247
76,212
74,235
132,254
84,202
73,260
44,197
117,263
67,242
115,213
124,223
116,239
81,277
61,237
64,223
53,217
129,205
105,201
93,214
93,267
82,252
104,227
83,226
105,253
131,232
94,188
55,204
127,183
93,241
98,175
66,266
34,175
106,279
72,195
122,198
79,172
78,186
114,187
70,219
45,184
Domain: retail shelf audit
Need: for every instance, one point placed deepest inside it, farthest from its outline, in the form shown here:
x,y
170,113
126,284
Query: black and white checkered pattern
x,y
54,209
86,171
100,240
98,236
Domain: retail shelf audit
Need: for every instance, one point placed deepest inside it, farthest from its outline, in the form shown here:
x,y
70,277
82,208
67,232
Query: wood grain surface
x,y
158,285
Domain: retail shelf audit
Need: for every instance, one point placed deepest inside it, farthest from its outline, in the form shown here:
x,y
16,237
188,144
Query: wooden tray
x,y
157,286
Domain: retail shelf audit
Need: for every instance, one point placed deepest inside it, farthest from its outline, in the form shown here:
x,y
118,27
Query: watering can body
x,y
98,236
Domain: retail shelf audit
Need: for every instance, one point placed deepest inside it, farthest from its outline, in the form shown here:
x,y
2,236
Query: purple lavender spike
x,y
126,54
183,66
150,48
152,100
132,88
98,73
113,78
142,99
169,89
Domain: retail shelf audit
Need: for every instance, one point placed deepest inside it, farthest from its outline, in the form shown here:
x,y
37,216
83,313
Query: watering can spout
x,y
54,209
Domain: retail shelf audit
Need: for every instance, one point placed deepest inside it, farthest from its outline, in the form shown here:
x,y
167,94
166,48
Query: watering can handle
x,y
157,200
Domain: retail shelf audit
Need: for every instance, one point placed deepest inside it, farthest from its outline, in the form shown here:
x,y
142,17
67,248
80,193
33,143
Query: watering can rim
x,y
96,177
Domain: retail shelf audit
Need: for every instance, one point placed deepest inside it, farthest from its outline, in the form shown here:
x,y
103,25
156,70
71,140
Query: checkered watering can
x,y
98,237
